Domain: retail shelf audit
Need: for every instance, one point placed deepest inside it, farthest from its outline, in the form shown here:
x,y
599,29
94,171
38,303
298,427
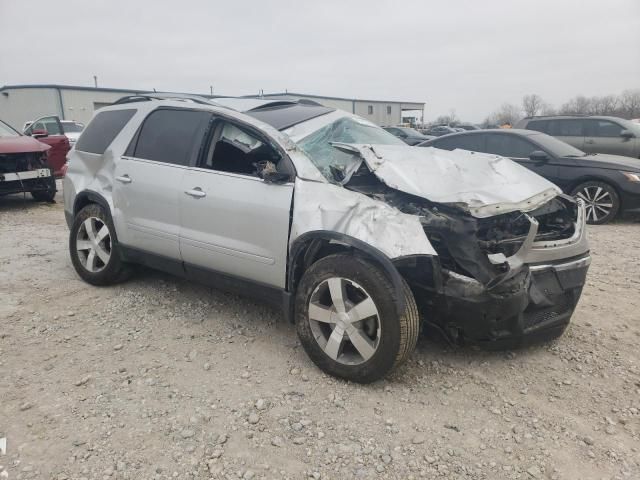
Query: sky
x,y
467,56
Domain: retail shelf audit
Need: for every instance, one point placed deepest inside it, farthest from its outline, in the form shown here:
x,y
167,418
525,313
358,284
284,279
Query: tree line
x,y
625,105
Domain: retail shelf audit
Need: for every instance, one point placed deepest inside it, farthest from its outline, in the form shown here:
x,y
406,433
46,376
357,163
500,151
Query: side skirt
x,y
223,281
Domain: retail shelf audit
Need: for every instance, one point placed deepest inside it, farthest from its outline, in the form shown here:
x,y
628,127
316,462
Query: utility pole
x,y
95,81
211,88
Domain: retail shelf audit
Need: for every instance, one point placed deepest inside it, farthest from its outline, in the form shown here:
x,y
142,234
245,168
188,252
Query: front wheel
x,y
601,201
348,322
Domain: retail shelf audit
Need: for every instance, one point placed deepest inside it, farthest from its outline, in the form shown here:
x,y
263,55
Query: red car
x,y
24,166
49,130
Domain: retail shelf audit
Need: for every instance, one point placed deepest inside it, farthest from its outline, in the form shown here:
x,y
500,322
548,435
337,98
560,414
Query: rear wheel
x,y
601,201
94,248
347,319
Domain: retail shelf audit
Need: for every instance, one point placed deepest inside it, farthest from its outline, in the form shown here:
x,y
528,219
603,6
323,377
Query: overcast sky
x,y
467,55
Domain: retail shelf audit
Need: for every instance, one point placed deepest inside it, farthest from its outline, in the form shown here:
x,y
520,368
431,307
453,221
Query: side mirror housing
x,y
627,134
39,133
539,156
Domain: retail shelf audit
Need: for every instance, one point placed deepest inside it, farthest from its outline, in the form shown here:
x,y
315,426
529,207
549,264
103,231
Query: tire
x,y
104,266
390,338
601,200
49,194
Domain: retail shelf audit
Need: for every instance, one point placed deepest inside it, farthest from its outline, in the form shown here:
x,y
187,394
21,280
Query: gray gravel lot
x,y
162,378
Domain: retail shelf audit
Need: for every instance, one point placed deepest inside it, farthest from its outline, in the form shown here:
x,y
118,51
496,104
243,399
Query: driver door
x,y
233,222
49,130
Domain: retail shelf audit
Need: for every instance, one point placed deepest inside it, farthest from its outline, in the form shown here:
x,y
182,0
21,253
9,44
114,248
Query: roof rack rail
x,y
145,97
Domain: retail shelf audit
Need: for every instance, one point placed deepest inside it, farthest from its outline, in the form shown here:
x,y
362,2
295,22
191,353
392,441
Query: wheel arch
x,y
312,246
86,197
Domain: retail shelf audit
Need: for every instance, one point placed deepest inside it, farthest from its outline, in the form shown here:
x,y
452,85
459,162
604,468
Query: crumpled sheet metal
x,y
485,185
322,206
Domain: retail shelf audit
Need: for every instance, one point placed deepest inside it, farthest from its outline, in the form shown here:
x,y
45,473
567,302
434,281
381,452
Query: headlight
x,y
632,177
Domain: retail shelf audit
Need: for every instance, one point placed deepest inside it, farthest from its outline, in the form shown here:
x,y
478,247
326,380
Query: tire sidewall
x,y
615,200
381,291
112,270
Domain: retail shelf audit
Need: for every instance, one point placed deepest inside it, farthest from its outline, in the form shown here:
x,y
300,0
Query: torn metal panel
x,y
330,207
485,185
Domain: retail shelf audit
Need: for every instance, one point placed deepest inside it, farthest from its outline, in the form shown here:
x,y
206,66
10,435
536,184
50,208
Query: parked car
x,y
468,126
348,229
408,135
71,129
49,130
607,183
24,167
592,134
440,130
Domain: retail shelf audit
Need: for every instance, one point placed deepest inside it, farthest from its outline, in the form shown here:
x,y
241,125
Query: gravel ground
x,y
162,378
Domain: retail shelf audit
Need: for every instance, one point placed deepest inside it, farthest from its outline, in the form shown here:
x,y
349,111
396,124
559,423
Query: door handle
x,y
196,192
124,178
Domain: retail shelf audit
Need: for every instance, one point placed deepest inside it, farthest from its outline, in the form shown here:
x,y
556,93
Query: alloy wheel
x,y
598,202
344,321
93,244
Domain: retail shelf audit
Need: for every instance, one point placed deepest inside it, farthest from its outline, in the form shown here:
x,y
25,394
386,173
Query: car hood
x,y
22,144
484,185
602,160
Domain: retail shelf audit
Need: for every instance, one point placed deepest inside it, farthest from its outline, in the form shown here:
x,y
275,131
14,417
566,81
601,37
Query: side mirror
x,y
539,156
627,134
39,133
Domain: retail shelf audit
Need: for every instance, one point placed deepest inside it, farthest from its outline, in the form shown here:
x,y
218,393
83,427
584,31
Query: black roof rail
x,y
163,96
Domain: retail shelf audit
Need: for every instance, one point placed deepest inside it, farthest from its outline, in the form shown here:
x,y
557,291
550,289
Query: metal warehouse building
x,y
22,103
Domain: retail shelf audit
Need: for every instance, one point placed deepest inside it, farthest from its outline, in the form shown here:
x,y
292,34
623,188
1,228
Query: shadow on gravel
x,y
12,203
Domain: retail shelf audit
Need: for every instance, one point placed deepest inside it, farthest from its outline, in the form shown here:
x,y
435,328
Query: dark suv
x,y
591,134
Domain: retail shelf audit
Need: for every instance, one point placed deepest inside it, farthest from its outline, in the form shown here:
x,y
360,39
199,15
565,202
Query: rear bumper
x,y
27,181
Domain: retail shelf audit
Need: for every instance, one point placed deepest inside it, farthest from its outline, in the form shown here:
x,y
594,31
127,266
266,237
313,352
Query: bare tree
x,y
532,104
507,114
580,105
606,105
630,103
547,109
450,119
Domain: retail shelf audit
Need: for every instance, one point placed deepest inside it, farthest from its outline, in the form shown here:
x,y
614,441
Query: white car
x,y
359,237
71,129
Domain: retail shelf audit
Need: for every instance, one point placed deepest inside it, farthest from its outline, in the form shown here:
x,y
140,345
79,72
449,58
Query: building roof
x,y
135,90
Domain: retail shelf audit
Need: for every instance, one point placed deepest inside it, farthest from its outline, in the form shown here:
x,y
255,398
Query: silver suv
x,y
591,134
360,238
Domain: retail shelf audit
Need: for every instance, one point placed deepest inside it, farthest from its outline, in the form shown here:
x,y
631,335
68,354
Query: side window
x,y
52,126
236,150
171,136
370,109
603,128
388,109
472,143
101,131
509,146
538,126
566,128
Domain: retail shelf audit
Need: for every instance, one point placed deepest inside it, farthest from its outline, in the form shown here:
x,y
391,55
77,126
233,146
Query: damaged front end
x,y
500,281
25,172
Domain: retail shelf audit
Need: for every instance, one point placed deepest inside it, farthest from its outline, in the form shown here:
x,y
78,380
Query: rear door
x,y
148,180
233,221
603,136
569,130
54,137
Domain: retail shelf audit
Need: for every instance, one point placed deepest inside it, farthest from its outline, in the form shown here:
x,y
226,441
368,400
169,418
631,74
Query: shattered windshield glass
x,y
329,159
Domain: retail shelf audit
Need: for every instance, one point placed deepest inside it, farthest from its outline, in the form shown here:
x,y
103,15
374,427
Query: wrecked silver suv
x,y
361,239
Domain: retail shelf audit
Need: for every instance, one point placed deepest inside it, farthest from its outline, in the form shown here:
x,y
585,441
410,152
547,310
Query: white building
x,y
23,103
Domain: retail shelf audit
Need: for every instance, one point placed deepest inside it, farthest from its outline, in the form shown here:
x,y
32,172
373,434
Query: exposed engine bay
x,y
25,172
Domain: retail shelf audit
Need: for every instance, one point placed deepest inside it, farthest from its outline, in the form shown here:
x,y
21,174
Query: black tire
x,y
606,208
109,273
49,194
398,334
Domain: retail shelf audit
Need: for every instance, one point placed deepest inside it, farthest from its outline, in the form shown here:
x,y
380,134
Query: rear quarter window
x,y
101,131
539,126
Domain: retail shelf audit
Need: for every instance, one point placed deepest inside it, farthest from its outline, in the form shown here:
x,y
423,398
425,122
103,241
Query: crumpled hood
x,y
482,184
22,144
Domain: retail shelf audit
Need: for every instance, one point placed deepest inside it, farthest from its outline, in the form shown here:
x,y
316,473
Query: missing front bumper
x,y
534,305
